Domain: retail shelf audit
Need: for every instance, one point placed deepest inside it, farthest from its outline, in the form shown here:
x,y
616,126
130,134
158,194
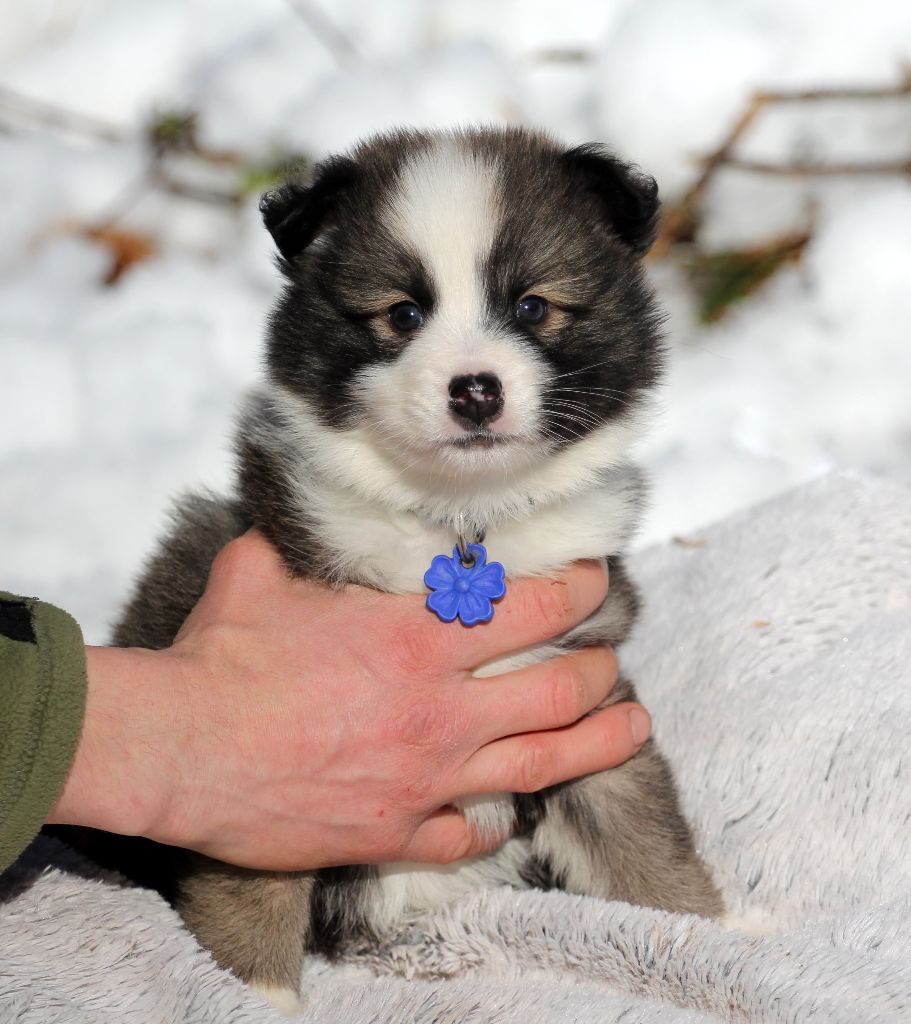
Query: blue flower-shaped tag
x,y
465,591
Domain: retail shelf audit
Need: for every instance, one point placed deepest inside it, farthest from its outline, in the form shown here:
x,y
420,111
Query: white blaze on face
x,y
447,210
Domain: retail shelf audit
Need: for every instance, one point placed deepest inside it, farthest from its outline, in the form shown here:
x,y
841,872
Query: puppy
x,y
465,344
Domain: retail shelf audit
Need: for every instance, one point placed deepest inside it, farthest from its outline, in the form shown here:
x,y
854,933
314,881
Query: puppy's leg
x,y
620,835
255,923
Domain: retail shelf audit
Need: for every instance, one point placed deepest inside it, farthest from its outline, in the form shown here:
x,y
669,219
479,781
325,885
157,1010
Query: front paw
x,y
285,1000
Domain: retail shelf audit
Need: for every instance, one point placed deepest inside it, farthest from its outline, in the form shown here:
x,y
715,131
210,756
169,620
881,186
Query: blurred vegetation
x,y
179,162
256,177
726,276
722,278
172,131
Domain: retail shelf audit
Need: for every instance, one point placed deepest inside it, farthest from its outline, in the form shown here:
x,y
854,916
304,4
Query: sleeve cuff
x,y
43,681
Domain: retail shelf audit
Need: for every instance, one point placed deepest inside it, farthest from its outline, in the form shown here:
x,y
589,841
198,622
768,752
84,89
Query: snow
x,y
114,399
452,84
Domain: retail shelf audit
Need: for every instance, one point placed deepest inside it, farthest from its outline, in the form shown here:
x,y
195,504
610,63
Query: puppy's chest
x,y
391,550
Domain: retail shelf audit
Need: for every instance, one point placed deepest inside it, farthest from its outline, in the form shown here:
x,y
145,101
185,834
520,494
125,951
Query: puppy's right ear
x,y
294,214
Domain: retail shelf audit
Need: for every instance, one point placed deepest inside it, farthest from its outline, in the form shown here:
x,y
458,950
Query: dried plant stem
x,y
51,116
558,55
812,169
325,30
681,220
679,223
848,92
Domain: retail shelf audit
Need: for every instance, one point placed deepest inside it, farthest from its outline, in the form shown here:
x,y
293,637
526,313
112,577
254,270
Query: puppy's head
x,y
463,305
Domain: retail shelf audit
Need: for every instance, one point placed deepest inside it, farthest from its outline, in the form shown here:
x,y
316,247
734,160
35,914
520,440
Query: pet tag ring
x,y
465,585
464,555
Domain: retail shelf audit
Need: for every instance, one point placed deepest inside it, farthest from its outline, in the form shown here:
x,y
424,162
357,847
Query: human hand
x,y
291,726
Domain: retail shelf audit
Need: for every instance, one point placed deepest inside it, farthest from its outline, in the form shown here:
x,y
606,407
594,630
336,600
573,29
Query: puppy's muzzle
x,y
475,399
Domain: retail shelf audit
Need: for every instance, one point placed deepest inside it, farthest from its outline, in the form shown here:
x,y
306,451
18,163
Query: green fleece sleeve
x,y
42,705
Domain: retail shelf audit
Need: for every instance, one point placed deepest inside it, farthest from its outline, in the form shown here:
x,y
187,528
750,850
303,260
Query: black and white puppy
x,y
465,336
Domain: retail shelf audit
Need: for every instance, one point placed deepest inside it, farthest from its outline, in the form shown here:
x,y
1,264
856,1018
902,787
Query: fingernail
x,y
640,723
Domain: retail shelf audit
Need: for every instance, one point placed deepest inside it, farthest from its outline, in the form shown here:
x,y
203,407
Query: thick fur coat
x,y
465,336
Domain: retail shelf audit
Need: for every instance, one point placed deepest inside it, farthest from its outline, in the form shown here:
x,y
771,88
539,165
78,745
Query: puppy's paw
x,y
285,1000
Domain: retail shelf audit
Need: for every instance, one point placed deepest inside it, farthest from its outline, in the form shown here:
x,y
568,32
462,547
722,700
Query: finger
x,y
525,764
533,610
548,695
445,837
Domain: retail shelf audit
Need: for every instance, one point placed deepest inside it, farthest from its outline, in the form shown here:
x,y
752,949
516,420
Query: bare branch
x,y
326,31
125,200
807,170
680,222
200,193
52,116
559,55
849,92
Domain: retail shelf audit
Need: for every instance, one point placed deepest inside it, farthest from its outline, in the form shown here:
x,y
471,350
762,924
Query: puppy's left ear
x,y
629,198
294,214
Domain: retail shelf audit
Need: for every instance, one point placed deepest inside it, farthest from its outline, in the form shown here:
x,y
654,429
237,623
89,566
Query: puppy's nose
x,y
475,399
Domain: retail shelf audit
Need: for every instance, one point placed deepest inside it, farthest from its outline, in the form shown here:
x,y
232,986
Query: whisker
x,y
564,403
593,391
583,369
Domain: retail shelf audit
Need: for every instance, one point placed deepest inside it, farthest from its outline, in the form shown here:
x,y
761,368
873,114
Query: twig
x,y
849,92
52,116
126,199
218,197
806,170
325,30
558,55
680,222
48,115
155,175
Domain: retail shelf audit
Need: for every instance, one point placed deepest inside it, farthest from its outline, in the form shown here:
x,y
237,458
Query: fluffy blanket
x,y
774,653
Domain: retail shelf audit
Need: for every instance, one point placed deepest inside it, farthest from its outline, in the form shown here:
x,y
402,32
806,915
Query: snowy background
x,y
115,396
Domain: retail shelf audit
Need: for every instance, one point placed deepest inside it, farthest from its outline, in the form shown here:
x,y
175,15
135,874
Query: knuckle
x,y
423,725
416,652
537,769
565,695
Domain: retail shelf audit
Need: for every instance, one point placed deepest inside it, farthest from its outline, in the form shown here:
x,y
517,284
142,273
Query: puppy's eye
x,y
531,310
406,316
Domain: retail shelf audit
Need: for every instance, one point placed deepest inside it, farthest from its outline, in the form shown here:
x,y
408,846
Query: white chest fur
x,y
391,549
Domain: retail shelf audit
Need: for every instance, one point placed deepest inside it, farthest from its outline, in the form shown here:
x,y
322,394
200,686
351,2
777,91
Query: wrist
x,y
123,776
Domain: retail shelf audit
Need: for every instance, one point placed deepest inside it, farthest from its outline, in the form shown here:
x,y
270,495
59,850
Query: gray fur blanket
x,y
774,653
